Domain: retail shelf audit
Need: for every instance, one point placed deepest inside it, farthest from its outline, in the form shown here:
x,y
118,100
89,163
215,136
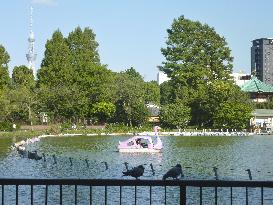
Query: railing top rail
x,y
125,182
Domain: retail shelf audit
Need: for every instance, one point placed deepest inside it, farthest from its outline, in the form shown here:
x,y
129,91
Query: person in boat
x,y
138,141
141,144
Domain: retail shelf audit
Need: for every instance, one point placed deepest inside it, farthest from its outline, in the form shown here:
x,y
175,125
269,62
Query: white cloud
x,y
45,2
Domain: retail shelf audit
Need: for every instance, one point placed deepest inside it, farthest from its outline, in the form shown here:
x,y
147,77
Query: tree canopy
x,y
56,69
152,92
199,63
195,51
83,47
175,115
72,84
130,99
23,76
232,115
4,72
71,68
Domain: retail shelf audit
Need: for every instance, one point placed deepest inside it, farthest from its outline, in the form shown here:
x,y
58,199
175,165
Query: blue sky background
x,y
131,32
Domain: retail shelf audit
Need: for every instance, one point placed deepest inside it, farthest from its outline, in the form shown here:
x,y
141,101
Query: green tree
x,y
71,79
134,74
59,94
83,47
4,72
92,78
130,100
23,76
166,93
152,92
195,51
232,115
4,104
97,82
175,115
224,91
22,105
23,95
103,111
63,103
196,56
56,66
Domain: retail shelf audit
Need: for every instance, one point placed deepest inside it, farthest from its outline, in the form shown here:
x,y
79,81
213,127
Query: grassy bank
x,y
32,131
23,134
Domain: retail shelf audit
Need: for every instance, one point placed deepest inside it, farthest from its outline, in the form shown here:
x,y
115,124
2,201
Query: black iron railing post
x,y
215,195
31,194
120,194
105,194
165,195
246,195
201,195
3,189
231,196
135,195
90,195
17,201
76,193
150,195
46,194
262,195
183,195
61,194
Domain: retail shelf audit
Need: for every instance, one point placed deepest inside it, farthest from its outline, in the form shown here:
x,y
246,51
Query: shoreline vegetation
x,y
73,86
57,130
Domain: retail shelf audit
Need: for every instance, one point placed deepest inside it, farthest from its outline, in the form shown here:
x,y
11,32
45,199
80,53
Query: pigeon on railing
x,y
174,172
135,172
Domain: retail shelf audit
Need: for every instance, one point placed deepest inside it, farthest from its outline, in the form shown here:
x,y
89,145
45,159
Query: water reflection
x,y
231,155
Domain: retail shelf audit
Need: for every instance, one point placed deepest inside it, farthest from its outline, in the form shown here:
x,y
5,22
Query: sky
x,y
131,33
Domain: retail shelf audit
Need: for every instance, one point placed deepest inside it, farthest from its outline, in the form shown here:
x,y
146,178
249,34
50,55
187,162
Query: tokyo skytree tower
x,y
31,55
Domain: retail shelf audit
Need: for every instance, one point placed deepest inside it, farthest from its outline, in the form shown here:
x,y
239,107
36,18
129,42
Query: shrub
x,y
5,126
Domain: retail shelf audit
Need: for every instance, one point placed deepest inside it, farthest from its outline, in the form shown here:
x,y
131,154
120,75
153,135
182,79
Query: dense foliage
x,y
232,116
175,115
199,64
4,72
130,98
72,85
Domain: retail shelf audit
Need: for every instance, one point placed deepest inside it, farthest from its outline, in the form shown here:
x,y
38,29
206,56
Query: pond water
x,y
197,155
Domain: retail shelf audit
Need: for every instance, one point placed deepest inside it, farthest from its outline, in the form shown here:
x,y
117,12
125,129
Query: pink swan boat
x,y
142,143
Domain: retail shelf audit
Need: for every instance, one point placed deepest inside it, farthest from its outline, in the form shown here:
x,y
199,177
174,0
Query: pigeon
x,y
34,155
135,172
174,172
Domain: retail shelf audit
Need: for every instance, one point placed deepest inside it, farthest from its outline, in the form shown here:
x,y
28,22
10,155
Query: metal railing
x,y
184,191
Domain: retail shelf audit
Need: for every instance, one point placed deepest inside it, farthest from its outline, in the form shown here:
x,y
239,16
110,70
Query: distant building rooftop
x,y
254,85
240,78
262,113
